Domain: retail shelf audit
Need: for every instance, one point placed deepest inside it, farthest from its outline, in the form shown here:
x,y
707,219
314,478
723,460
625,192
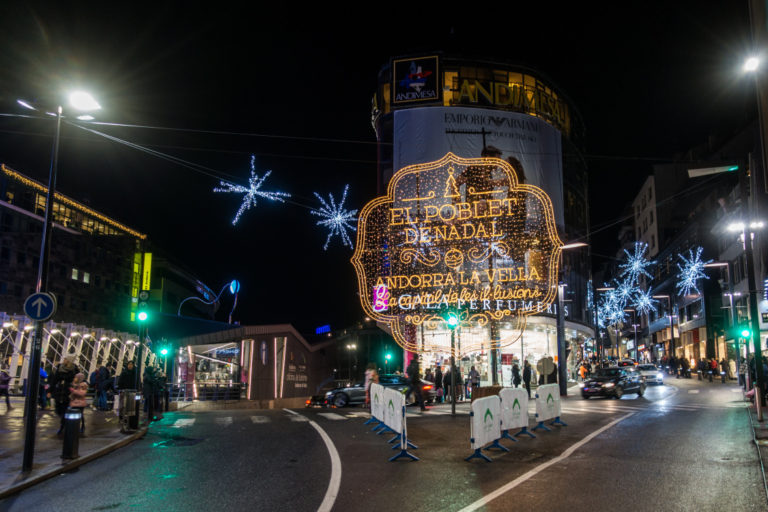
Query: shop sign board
x,y
458,235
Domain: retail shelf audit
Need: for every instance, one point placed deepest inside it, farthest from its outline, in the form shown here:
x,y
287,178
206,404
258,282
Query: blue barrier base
x,y
370,420
407,443
505,435
496,446
397,436
558,421
478,455
377,427
403,453
543,426
386,430
525,431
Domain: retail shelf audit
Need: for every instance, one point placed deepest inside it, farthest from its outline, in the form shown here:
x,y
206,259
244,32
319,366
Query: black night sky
x,y
294,88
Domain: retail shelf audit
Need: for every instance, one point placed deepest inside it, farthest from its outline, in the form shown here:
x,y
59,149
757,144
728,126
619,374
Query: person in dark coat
x,y
447,384
516,377
439,384
527,378
59,387
5,383
414,379
127,379
100,388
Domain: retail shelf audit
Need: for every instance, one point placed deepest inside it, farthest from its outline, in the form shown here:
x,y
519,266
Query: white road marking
x,y
538,469
333,485
299,418
332,416
260,419
183,422
693,391
736,390
225,421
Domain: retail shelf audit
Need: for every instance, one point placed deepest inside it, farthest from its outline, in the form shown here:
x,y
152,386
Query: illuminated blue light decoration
x,y
636,263
336,218
252,191
644,301
691,271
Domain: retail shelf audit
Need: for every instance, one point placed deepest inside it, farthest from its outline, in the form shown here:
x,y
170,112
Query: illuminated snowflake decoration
x,y
252,191
644,301
624,291
636,263
691,271
336,218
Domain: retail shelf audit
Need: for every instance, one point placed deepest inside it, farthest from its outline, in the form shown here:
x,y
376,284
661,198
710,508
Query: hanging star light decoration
x,y
636,263
336,218
691,271
644,301
252,191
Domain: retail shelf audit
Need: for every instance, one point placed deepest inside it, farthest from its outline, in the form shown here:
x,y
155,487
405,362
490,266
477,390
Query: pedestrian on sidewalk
x,y
516,377
62,381
371,377
474,380
42,391
100,389
447,380
5,383
527,377
439,385
77,393
127,379
414,378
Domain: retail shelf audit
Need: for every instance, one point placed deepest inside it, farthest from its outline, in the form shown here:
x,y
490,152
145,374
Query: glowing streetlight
x,y
751,64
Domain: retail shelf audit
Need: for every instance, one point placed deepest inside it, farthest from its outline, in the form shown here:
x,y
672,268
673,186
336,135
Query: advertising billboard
x,y
530,145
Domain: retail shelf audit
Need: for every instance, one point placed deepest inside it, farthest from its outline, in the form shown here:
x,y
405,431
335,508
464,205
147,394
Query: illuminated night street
x,y
267,451
312,258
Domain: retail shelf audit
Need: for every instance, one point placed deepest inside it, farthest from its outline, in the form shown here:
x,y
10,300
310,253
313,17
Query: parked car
x,y
651,373
626,362
354,394
613,382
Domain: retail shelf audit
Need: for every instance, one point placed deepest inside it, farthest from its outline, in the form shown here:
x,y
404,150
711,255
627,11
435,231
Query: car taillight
x,y
308,402
427,388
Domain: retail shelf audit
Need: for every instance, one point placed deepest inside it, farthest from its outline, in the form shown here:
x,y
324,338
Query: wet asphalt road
x,y
684,446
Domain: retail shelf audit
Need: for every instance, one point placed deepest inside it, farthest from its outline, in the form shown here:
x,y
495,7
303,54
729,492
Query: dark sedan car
x,y
613,382
355,394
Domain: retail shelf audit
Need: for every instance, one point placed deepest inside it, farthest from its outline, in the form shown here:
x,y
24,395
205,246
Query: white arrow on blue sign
x,y
40,306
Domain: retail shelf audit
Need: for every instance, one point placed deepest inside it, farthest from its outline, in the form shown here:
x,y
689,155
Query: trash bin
x,y
72,420
129,409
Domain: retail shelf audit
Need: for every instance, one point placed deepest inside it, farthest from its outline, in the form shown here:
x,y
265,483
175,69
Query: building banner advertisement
x,y
532,146
485,421
547,402
514,408
394,401
377,401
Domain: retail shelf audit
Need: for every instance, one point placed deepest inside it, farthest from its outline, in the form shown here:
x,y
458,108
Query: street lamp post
x,y
79,101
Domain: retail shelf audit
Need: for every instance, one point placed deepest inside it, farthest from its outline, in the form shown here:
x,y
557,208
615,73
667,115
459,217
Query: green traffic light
x,y
453,320
163,351
388,357
746,333
143,316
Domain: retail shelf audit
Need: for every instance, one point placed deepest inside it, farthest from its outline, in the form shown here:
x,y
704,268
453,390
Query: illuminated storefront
x,y
496,184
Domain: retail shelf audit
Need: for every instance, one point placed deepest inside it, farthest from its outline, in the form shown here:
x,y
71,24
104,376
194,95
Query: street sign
x,y
40,306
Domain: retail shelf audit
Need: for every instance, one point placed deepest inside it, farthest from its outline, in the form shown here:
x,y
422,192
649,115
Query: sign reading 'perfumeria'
x,y
458,235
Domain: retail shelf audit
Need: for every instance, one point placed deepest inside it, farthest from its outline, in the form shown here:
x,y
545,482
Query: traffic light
x,y
452,319
143,307
745,332
164,351
388,357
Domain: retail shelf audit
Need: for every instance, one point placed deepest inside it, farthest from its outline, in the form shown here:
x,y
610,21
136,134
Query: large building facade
x,y
427,106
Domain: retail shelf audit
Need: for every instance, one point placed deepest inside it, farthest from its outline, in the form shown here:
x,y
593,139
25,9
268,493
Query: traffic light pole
x,y
453,372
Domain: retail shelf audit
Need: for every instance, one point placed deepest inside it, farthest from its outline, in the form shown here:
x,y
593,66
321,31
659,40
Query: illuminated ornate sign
x,y
458,235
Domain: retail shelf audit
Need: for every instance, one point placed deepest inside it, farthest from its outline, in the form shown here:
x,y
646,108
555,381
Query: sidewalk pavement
x,y
102,435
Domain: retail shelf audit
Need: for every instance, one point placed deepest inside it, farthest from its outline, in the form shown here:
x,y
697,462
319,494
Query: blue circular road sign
x,y
40,306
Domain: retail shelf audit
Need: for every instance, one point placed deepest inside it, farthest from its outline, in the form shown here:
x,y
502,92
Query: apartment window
x,y
86,277
74,274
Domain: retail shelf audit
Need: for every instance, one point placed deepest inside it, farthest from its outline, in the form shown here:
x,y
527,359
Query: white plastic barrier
x,y
485,425
393,416
548,405
376,395
514,411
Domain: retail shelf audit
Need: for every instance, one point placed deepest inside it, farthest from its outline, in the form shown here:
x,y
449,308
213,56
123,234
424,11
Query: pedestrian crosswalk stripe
x,y
332,416
183,422
299,418
693,391
260,419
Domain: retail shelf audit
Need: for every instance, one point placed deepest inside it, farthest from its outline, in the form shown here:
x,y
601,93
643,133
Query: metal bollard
x,y
699,372
72,419
758,403
129,409
722,377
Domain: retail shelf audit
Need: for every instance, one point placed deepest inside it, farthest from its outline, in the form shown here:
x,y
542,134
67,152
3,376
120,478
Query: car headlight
x,y
660,376
329,394
610,385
